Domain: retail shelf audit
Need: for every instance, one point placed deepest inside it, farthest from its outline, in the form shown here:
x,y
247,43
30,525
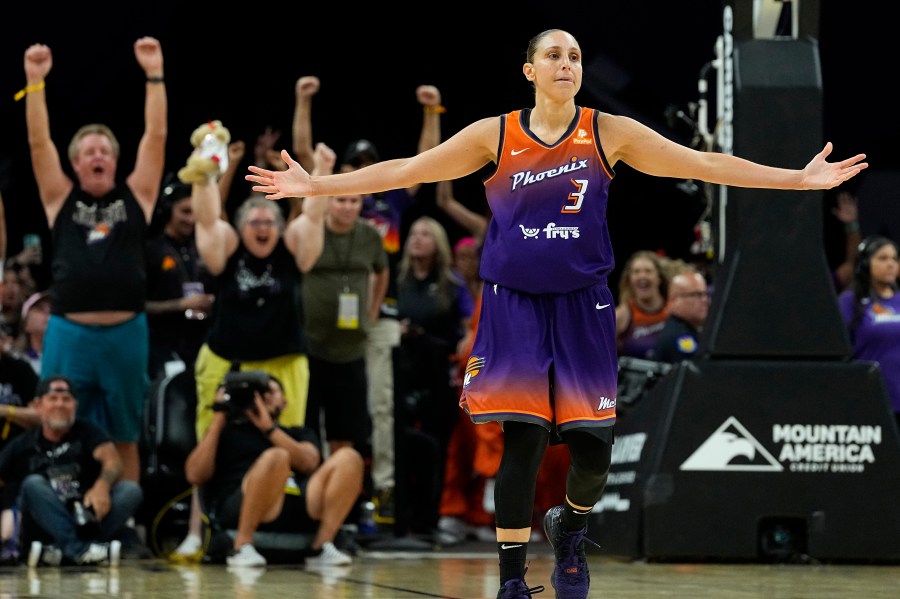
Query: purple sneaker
x,y
517,589
570,578
9,552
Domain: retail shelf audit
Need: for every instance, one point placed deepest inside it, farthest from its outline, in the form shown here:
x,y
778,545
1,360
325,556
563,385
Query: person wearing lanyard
x,y
178,301
342,294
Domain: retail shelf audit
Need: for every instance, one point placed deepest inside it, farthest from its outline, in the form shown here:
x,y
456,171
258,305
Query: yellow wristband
x,y
27,90
438,109
10,414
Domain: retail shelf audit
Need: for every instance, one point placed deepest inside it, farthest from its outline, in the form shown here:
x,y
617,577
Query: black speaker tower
x,y
773,292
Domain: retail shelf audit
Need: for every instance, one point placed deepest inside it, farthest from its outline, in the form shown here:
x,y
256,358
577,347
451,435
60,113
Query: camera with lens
x,y
240,390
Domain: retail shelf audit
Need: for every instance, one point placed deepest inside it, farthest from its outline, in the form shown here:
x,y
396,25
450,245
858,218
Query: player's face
x,y
557,68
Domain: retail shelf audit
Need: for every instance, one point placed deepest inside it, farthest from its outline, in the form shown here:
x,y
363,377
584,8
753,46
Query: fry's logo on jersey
x,y
582,137
473,367
551,231
521,179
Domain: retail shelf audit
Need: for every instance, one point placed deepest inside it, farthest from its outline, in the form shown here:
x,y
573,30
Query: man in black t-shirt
x,y
73,499
98,217
254,475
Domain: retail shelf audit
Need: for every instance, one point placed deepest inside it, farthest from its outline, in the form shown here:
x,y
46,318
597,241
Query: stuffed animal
x,y
210,156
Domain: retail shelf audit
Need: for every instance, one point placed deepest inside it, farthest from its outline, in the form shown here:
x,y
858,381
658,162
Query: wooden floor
x,y
467,573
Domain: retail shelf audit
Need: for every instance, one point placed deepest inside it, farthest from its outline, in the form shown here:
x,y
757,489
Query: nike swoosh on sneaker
x,y
517,152
505,546
599,307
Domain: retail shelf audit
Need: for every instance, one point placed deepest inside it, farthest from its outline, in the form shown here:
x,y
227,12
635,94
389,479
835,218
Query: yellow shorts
x,y
292,370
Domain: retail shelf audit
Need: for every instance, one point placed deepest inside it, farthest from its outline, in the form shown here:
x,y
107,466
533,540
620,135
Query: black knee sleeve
x,y
589,467
523,449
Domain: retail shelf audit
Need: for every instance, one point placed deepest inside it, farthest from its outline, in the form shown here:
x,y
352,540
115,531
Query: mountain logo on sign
x,y
732,448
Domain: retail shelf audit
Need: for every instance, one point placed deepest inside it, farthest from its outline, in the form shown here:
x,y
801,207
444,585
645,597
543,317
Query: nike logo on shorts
x,y
517,152
599,307
505,546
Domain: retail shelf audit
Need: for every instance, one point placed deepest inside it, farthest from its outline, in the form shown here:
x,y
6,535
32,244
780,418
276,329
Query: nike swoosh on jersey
x,y
505,546
599,307
517,152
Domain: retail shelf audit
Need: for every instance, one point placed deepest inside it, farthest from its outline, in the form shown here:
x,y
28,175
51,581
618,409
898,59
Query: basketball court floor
x,y
466,572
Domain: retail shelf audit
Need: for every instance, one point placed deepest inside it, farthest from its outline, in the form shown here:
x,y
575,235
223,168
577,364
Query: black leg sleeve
x,y
524,445
589,467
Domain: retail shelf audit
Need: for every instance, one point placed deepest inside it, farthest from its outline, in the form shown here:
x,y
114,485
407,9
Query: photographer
x,y
254,474
73,500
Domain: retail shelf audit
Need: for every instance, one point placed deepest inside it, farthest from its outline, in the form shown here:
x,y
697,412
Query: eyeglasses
x,y
261,224
695,294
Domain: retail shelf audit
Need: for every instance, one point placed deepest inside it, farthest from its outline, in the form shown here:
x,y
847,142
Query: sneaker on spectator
x,y
9,552
190,550
247,556
329,556
454,527
48,555
570,577
102,554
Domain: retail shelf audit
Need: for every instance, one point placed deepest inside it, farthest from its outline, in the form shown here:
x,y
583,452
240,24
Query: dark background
x,y
240,65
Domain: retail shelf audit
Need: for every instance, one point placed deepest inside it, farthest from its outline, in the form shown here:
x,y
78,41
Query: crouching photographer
x,y
254,475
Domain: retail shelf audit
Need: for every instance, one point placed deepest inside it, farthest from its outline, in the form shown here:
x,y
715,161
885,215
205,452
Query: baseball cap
x,y
46,384
359,151
173,191
32,300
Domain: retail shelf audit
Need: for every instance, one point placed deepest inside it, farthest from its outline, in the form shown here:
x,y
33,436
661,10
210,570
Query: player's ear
x,y
528,70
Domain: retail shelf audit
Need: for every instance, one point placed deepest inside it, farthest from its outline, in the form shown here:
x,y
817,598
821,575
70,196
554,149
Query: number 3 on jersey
x,y
576,197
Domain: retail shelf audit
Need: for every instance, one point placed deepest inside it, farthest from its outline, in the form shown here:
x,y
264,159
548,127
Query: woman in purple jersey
x,y
544,359
870,307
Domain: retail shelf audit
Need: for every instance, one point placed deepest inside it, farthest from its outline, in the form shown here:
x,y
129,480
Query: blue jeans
x,y
41,507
